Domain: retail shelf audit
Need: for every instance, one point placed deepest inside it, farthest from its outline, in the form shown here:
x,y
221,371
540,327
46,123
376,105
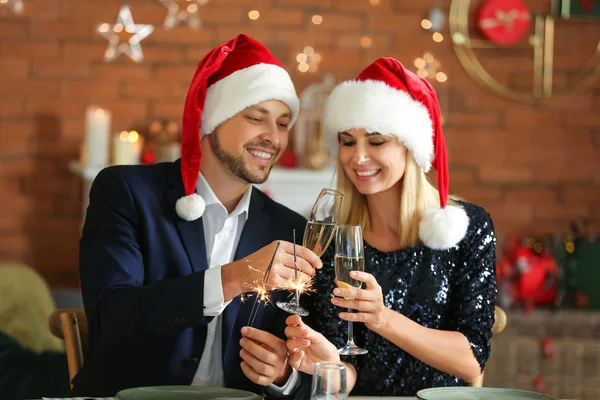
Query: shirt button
x,y
220,236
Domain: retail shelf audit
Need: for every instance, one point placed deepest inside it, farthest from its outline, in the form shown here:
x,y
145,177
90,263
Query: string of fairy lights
x,y
125,36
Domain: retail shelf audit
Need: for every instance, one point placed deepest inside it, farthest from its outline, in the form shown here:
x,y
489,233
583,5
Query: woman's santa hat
x,y
391,100
233,76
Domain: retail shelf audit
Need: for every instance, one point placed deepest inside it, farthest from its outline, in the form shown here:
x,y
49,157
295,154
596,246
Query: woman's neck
x,y
384,211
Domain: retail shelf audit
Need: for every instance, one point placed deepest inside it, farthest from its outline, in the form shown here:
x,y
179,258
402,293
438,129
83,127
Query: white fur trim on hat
x,y
443,228
244,88
377,107
190,207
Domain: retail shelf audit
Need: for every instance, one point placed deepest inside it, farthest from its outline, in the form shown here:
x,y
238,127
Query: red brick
x,y
530,195
13,167
181,73
196,53
578,194
98,12
506,173
350,60
479,195
462,177
510,212
13,143
13,29
35,185
582,120
167,109
129,109
180,35
344,22
26,49
289,18
156,90
298,39
48,30
11,108
89,90
42,9
9,224
118,73
321,4
60,68
214,13
354,41
163,54
474,120
563,173
536,155
84,52
57,107
14,242
13,67
29,87
564,211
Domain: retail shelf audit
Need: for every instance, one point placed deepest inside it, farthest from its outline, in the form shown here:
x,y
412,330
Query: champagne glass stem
x,y
297,298
350,331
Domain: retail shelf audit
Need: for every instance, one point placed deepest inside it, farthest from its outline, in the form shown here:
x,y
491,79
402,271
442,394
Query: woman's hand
x,y
307,346
368,302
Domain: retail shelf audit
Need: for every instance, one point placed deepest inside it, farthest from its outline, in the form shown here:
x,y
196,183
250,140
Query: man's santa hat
x,y
391,100
233,76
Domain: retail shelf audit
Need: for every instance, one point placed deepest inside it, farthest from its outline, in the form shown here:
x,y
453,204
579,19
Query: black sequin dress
x,y
451,289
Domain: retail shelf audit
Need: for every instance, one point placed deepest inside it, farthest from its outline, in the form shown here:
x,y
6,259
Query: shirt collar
x,y
210,198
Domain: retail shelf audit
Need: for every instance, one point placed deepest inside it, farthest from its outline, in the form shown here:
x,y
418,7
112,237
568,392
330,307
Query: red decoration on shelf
x,y
539,384
503,22
548,348
148,157
288,159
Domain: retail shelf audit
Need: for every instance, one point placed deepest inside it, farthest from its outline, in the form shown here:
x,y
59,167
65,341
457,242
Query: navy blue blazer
x,y
142,277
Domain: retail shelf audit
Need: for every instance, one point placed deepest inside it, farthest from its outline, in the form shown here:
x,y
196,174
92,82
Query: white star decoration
x,y
188,12
15,5
132,47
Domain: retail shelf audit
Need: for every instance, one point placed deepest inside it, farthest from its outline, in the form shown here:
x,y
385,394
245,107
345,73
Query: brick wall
x,y
533,167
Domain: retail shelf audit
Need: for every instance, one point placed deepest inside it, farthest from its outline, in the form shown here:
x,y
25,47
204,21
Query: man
x,y
160,285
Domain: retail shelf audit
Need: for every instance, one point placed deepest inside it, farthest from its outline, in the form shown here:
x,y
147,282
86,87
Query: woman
x,y
426,307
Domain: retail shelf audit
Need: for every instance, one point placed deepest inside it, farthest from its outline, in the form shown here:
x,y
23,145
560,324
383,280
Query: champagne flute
x,y
320,230
349,256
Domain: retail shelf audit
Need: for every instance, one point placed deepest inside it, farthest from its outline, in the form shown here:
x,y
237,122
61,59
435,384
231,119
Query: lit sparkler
x,y
260,289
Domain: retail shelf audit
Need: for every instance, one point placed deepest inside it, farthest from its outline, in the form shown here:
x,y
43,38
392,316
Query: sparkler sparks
x,y
260,288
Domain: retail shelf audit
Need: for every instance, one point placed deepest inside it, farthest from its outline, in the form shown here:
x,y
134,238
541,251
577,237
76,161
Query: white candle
x,y
97,136
126,148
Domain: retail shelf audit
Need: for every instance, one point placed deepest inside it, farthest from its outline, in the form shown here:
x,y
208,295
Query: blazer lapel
x,y
190,232
253,238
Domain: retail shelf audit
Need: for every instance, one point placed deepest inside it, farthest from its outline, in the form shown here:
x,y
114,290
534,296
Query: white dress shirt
x,y
222,232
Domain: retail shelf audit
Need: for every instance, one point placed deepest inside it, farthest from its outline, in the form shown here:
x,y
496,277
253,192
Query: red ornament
x,y
548,348
503,22
148,157
288,159
538,384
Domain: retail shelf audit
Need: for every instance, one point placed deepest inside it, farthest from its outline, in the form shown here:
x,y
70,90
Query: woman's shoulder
x,y
478,216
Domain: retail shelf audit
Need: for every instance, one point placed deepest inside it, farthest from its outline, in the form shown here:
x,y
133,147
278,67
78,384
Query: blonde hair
x,y
417,194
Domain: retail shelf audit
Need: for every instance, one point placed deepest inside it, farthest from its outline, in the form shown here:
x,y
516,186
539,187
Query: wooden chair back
x,y
499,325
70,324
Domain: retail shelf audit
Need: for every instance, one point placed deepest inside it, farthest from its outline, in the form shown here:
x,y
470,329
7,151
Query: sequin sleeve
x,y
475,286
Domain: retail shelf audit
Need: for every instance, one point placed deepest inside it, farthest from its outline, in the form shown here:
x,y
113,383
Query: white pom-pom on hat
x,y
190,207
443,228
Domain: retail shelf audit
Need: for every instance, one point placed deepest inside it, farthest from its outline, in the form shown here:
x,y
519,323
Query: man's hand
x,y
307,346
265,357
240,276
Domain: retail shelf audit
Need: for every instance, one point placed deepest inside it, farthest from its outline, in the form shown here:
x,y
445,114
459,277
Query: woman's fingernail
x,y
337,292
354,274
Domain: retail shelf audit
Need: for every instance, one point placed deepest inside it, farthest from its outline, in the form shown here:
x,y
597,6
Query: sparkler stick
x,y
261,290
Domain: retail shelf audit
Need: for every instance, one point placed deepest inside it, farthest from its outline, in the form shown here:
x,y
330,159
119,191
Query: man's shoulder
x,y
135,175
277,209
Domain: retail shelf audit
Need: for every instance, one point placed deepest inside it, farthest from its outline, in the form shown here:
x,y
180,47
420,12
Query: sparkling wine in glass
x,y
320,230
349,256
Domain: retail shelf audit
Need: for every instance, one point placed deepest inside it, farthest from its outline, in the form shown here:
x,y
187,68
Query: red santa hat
x,y
391,100
233,76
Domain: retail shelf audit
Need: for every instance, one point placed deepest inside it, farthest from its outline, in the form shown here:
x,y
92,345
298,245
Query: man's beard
x,y
237,165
